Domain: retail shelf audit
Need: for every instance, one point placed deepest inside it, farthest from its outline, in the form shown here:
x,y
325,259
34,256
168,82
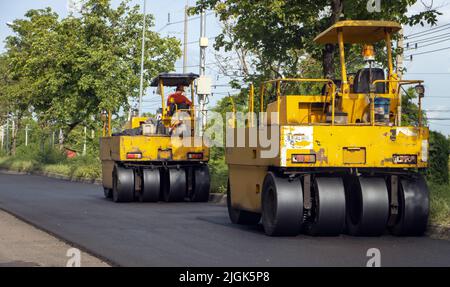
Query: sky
x,y
433,68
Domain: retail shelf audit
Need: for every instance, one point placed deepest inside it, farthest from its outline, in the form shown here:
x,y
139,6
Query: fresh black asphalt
x,y
189,234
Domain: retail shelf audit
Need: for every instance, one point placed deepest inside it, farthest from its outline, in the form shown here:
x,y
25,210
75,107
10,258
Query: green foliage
x,y
70,69
278,34
410,110
439,203
439,159
218,169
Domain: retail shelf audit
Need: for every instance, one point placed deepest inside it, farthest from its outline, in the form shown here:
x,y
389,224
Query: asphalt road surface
x,y
189,234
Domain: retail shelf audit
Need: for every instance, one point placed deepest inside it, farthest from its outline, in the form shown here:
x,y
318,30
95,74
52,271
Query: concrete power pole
x,y
204,82
141,85
185,41
400,56
84,144
2,132
26,135
7,135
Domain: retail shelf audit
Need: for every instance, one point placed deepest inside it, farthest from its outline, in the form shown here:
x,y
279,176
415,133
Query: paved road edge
x,y
434,231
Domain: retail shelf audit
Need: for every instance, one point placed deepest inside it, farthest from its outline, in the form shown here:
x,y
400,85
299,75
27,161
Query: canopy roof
x,y
173,79
358,31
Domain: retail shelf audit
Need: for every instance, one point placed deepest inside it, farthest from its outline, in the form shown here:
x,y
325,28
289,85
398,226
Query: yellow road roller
x,y
344,163
148,162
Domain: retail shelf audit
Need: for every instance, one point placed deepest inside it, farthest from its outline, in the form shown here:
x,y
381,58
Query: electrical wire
x,y
427,32
182,21
428,52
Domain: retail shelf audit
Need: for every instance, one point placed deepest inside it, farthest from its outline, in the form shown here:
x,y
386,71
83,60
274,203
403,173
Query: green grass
x,y
80,168
439,204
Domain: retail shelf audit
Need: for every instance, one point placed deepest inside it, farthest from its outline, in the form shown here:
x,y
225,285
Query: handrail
x,y
278,83
399,84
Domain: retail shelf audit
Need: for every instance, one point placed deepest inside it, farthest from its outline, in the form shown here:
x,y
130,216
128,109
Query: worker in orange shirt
x,y
178,101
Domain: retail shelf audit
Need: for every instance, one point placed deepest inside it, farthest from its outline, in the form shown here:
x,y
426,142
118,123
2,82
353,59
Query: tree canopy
x,y
67,70
278,33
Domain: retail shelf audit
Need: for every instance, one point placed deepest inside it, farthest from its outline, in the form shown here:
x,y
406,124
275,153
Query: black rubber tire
x,y
238,216
201,184
123,184
414,207
282,205
151,185
329,207
107,192
174,185
367,204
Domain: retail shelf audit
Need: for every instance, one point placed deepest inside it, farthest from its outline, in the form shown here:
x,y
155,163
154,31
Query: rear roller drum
x,y
282,205
367,206
174,185
123,184
201,184
238,216
151,185
328,216
413,209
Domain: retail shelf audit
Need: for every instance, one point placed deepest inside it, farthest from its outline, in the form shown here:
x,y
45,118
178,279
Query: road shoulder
x,y
24,245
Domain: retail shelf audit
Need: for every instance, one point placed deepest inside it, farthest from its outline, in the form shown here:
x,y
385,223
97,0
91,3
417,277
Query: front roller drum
x,y
174,185
328,216
123,184
151,185
413,208
282,205
201,184
367,206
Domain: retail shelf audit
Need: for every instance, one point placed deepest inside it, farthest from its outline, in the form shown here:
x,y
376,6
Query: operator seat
x,y
361,84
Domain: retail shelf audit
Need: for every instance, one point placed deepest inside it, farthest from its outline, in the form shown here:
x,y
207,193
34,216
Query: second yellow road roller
x,y
147,161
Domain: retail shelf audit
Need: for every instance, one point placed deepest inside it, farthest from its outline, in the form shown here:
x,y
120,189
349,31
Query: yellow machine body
x,y
151,157
332,142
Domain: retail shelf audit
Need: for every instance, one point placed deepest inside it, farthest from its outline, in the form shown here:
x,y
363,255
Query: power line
x,y
182,21
430,44
437,37
427,32
428,52
194,42
430,73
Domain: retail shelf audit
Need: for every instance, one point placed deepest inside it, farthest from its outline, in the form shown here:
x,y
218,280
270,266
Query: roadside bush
x,y
439,203
219,175
438,161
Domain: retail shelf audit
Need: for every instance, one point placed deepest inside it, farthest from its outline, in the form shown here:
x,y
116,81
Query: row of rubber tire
x,y
159,184
358,206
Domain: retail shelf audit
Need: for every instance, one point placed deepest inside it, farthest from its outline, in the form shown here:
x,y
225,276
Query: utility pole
x,y
84,145
204,82
141,86
2,135
400,56
185,42
7,135
26,135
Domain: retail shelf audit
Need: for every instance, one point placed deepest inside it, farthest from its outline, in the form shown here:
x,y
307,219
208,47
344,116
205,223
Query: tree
x,y
79,66
280,32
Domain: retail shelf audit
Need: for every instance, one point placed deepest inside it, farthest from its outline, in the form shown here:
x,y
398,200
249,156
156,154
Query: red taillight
x,y
134,155
303,158
197,155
